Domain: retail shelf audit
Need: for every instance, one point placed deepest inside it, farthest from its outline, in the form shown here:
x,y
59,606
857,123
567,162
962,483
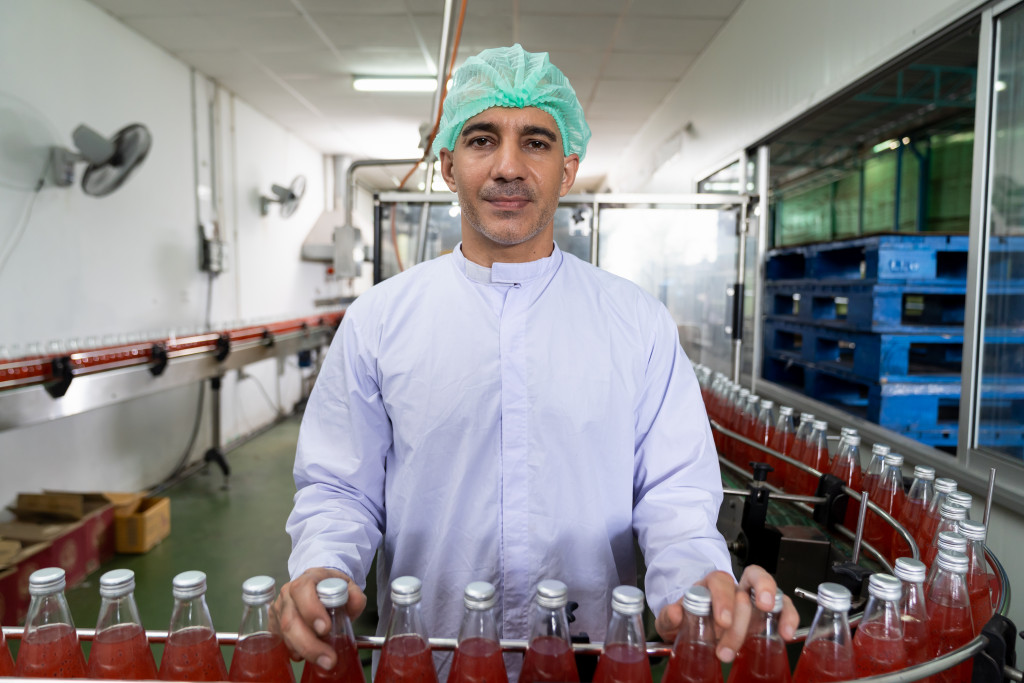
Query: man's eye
x,y
479,142
537,144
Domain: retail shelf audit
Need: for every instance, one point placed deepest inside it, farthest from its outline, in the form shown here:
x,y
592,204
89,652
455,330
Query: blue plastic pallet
x,y
886,307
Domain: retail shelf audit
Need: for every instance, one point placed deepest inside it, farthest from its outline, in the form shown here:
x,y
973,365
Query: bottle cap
x,y
117,583
697,600
744,393
924,472
480,595
776,608
885,587
786,410
853,439
951,540
972,530
953,561
806,417
834,596
910,570
333,592
944,485
952,511
46,581
259,590
188,585
767,404
753,398
893,460
961,498
820,424
405,590
628,600
552,594
880,449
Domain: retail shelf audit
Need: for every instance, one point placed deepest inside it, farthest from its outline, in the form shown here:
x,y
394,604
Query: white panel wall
x,y
772,61
127,263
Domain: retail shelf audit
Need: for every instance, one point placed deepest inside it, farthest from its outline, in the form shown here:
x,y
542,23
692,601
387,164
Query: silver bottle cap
x,y
405,590
885,587
961,498
806,417
117,583
880,449
480,595
910,570
333,592
776,608
259,590
46,581
834,596
952,511
951,540
753,399
767,404
847,431
697,600
744,393
893,460
188,585
953,561
628,600
944,485
972,530
853,439
552,594
924,472
786,411
820,424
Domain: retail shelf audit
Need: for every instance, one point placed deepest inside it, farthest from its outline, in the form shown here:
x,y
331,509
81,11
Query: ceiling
x,y
293,60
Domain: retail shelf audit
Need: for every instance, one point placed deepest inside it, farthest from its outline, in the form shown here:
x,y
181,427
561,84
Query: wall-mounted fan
x,y
287,197
110,161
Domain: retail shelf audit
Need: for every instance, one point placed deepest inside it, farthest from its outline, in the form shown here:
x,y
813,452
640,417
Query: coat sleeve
x,y
338,515
677,485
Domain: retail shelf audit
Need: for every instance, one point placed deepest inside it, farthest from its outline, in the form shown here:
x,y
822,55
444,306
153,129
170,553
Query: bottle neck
x,y
47,610
341,625
830,625
118,611
549,622
626,629
885,612
921,490
255,619
696,628
947,588
479,624
764,625
406,620
191,613
912,602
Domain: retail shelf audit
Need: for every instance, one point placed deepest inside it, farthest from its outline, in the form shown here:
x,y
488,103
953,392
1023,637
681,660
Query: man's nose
x,y
509,163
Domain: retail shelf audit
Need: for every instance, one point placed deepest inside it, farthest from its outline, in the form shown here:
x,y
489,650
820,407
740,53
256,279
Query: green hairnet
x,y
512,77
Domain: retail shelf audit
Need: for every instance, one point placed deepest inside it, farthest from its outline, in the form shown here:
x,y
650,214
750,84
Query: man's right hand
x,y
300,618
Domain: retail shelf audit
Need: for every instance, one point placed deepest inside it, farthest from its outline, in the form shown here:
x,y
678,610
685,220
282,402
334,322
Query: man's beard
x,y
509,234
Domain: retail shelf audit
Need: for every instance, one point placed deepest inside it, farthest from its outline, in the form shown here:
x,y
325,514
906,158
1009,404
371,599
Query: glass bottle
x,y
961,498
736,450
49,646
260,654
549,656
828,650
816,456
120,649
878,646
846,466
979,574
764,429
889,496
624,659
333,594
949,613
919,496
946,541
478,653
191,652
748,427
912,608
762,657
782,442
876,465
693,657
930,517
844,441
406,655
951,516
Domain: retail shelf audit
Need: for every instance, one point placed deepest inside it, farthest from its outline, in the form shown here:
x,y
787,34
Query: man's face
x,y
508,170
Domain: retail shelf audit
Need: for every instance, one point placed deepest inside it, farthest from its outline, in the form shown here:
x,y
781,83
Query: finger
x,y
307,603
732,638
668,621
301,641
723,596
356,600
761,582
789,620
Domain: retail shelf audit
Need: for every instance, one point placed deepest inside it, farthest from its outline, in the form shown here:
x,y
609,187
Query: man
x,y
507,412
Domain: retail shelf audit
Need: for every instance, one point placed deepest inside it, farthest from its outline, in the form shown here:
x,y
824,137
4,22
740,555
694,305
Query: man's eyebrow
x,y
488,127
540,130
479,127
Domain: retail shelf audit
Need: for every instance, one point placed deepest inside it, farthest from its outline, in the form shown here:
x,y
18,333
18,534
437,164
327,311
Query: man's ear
x,y
447,161
570,165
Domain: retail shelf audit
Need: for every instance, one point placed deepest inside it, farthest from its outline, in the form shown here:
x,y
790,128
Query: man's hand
x,y
300,618
730,606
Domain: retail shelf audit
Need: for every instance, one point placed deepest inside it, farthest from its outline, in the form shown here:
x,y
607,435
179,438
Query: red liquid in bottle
x,y
549,659
783,443
916,639
693,663
406,659
981,603
950,627
874,653
51,652
264,657
822,661
621,663
192,655
6,661
478,660
122,653
997,589
760,659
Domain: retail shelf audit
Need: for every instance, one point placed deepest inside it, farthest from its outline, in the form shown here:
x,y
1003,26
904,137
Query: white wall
x,y
772,61
127,263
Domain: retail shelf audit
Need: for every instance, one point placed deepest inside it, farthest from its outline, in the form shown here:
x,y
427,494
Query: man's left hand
x,y
730,606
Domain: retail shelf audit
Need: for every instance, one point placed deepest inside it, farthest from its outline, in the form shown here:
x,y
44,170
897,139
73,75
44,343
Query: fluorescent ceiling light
x,y
888,144
1000,86
394,84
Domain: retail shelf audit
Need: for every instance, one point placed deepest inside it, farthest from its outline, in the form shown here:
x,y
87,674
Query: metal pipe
x,y
788,497
861,517
988,497
350,180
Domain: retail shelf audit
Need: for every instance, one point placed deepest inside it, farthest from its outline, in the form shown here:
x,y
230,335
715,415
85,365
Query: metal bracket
x,y
268,338
158,352
61,369
223,347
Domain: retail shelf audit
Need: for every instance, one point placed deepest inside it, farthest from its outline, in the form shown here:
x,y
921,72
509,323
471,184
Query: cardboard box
x,y
143,529
14,596
71,505
9,549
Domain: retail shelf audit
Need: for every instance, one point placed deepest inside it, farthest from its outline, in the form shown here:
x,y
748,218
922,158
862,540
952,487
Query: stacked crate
x,y
875,325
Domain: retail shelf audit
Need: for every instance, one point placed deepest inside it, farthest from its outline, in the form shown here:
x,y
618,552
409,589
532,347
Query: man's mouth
x,y
508,203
